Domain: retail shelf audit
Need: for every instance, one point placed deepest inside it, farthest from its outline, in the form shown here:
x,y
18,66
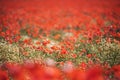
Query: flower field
x,y
59,40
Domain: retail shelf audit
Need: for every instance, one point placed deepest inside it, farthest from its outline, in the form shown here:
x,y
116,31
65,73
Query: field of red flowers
x,y
59,39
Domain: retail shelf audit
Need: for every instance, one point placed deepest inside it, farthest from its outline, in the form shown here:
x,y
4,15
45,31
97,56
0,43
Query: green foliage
x,y
103,52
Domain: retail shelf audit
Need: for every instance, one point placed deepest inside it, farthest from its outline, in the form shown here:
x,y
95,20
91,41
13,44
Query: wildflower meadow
x,y
59,39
